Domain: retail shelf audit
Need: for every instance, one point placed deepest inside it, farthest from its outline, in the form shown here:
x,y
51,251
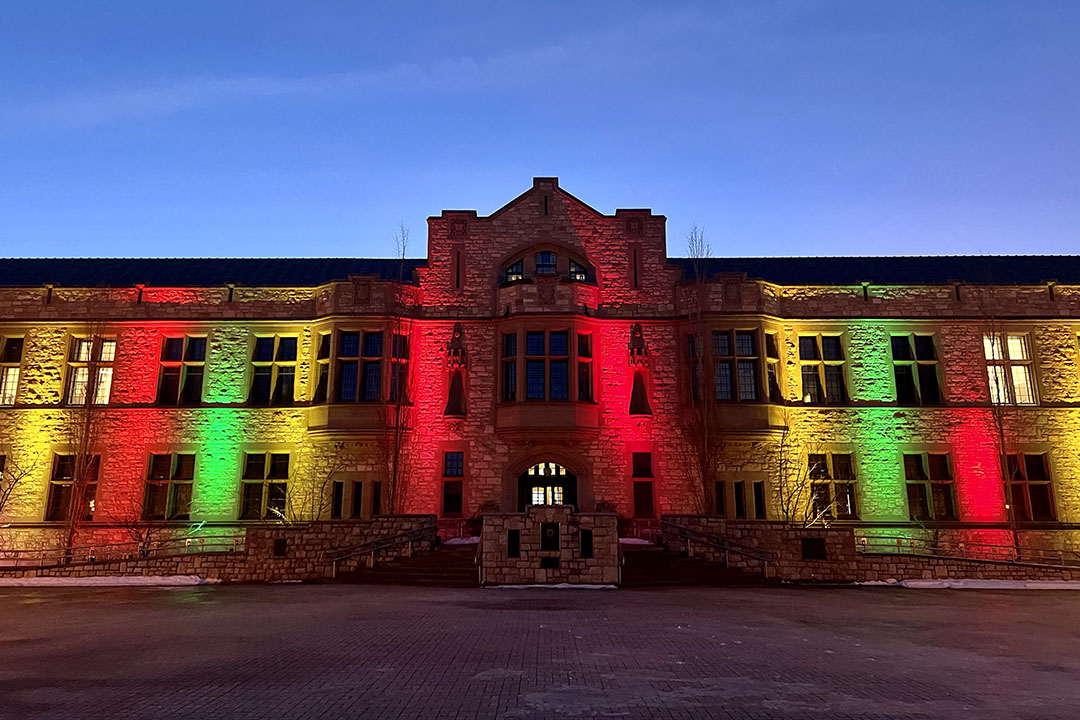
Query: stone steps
x,y
446,566
650,566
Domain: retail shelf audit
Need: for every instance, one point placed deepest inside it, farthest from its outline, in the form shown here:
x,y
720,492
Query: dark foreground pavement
x,y
387,652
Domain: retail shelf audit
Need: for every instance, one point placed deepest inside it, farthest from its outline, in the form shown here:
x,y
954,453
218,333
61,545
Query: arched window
x,y
548,263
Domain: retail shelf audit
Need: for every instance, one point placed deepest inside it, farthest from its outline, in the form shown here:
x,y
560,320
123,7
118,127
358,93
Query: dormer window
x,y
516,271
545,263
578,273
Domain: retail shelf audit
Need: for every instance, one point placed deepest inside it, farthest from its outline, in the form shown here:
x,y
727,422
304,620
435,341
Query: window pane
x,y
77,388
822,500
944,507
107,351
264,349
1023,388
63,467
584,381
1019,501
173,349
196,349
845,501
560,381
12,350
999,388
373,344
260,386
723,381
901,347
452,497
275,500
831,348
928,383
254,466
515,271
642,464
509,345
286,349
745,344
811,384
350,345
558,343
155,501
453,464
748,375
584,345
510,380
534,343
324,346
808,349
357,498
918,507
185,467
347,375
251,501
1018,347
9,383
577,271
913,467
1036,467
992,348
721,343
534,380
775,395
939,466
169,388
545,263
1041,506
400,349
103,388
372,380
193,379
771,349
905,385
279,466
181,501
843,468
924,347
818,466
160,467
835,390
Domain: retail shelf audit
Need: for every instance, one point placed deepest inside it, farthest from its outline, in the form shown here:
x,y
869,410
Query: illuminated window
x,y
772,367
273,375
821,358
515,271
578,272
90,370
915,369
1009,369
931,493
168,487
70,477
832,486
180,379
735,365
1029,486
10,359
264,486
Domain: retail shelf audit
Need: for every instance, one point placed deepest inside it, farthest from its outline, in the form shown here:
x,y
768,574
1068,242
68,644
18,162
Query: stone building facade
x,y
545,354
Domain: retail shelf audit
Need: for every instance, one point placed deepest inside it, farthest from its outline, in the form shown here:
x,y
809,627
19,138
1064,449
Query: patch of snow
x,y
635,541
961,584
108,581
463,541
554,586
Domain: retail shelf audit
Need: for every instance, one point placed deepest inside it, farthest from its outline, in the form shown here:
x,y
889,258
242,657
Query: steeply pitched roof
x,y
197,272
307,272
903,270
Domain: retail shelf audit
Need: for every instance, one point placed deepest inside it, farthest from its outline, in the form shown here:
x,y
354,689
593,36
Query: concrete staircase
x,y
445,566
653,566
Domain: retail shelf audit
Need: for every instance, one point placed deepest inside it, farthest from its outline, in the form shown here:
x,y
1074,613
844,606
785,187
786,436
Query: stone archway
x,y
547,476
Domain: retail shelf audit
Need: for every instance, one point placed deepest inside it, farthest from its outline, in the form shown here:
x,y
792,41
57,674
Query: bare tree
x,y
396,417
12,476
793,492
88,391
703,420
317,501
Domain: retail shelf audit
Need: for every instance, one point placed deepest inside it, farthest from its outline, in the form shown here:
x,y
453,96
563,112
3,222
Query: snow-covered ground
x,y
635,541
462,541
555,586
108,581
979,584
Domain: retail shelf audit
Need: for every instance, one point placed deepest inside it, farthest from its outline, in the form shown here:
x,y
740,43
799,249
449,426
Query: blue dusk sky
x,y
313,128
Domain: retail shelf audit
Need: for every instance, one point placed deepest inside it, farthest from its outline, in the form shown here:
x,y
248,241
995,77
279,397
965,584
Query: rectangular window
x,y
337,503
643,499
821,358
832,477
10,360
399,367
1009,367
68,475
513,543
642,464
739,489
264,486
509,367
534,380
586,538
168,487
772,361
915,369
453,464
585,367
759,500
376,498
452,498
180,378
515,271
359,366
322,368
1029,487
357,498
930,489
545,263
273,370
90,370
719,498
578,272
735,365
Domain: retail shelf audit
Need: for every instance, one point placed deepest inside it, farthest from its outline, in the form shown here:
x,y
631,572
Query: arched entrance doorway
x,y
547,483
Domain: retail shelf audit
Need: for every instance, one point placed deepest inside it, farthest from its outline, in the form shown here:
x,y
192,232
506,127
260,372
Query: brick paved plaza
x,y
394,652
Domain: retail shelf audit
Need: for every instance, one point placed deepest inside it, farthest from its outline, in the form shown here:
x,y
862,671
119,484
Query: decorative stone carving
x,y
638,352
455,349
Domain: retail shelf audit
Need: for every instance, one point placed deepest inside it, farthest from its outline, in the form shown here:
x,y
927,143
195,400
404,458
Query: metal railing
x,y
111,552
900,545
372,547
720,542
